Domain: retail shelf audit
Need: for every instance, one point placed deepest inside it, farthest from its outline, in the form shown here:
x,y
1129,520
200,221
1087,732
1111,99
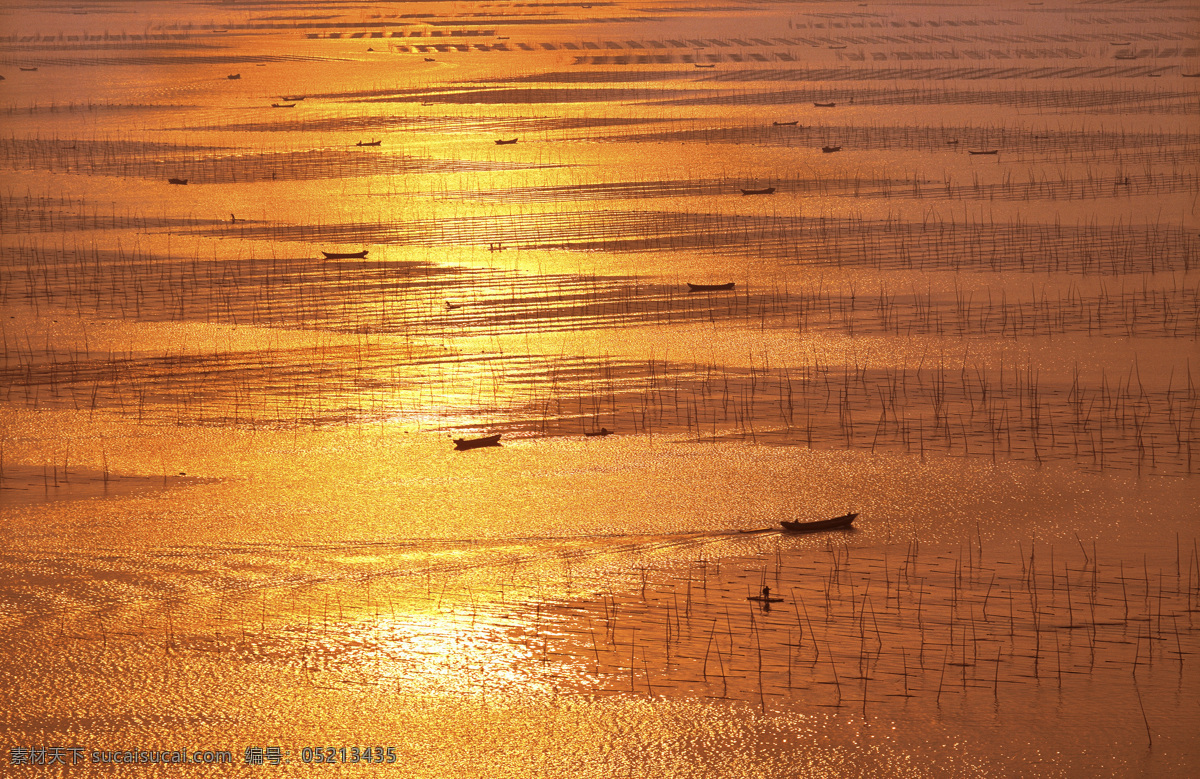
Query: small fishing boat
x,y
821,524
345,255
987,151
786,124
1190,75
830,149
824,105
177,181
368,143
765,191
709,287
234,77
509,142
601,432
291,98
462,444
430,59
27,69
704,66
453,306
764,599
283,105
840,46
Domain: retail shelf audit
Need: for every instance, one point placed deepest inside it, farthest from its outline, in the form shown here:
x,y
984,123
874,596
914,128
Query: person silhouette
x,y
766,591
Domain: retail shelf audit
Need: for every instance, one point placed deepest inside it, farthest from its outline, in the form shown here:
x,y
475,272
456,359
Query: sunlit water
x,y
233,516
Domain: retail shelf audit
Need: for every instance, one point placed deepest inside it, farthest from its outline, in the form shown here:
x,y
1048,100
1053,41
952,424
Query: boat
x,y
345,255
708,287
601,432
430,59
462,444
1190,75
27,69
177,181
368,143
234,77
704,66
766,191
786,124
283,105
830,149
291,98
764,599
844,520
506,143
988,151
824,105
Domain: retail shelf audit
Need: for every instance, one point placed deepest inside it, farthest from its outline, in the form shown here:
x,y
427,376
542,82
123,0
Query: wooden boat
x,y
430,59
709,287
766,191
177,181
506,143
786,124
291,98
234,77
830,149
601,432
764,599
462,444
283,105
988,151
824,105
368,143
345,255
1190,75
821,524
704,66
27,69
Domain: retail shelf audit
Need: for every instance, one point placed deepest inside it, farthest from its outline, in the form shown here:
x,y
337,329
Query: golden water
x,y
232,515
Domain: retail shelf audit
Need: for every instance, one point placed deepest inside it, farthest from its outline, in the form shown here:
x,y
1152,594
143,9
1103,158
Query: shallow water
x,y
232,513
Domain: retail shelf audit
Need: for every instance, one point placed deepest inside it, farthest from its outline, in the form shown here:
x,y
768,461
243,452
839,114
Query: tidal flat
x,y
703,268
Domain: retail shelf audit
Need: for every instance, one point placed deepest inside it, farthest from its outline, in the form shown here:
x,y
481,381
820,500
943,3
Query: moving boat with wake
x,y
844,520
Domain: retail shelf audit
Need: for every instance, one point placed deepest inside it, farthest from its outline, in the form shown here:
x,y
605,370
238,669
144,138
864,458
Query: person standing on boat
x,y
766,591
